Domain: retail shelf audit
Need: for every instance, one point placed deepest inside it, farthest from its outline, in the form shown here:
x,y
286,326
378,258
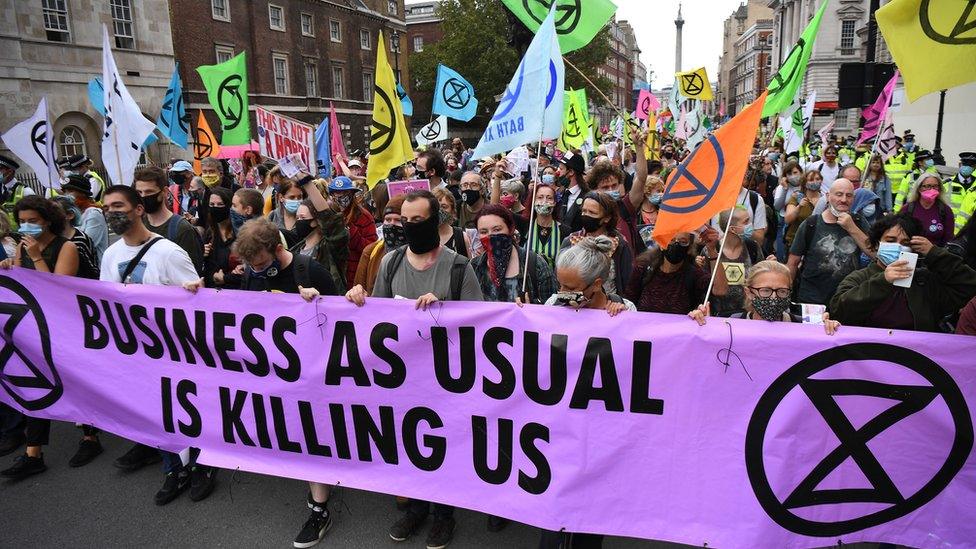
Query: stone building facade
x,y
743,18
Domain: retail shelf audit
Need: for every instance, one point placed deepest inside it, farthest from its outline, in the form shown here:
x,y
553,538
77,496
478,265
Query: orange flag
x,y
710,179
204,142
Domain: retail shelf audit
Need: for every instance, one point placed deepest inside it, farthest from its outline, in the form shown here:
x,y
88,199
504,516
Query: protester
x,y
427,272
501,270
669,280
430,166
929,203
219,258
570,176
967,319
141,256
606,178
92,221
647,217
88,260
768,287
246,204
829,246
43,248
290,196
451,236
828,167
941,283
598,217
150,184
876,180
213,174
393,237
739,253
362,231
545,236
582,272
798,210
322,235
964,244
473,197
756,207
509,193
187,202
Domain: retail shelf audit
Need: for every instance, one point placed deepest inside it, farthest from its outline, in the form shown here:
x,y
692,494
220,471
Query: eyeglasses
x,y
930,186
781,293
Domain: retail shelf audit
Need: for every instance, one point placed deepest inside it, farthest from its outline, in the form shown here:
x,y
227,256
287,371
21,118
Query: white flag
x,y
808,111
695,127
433,132
886,143
33,141
125,128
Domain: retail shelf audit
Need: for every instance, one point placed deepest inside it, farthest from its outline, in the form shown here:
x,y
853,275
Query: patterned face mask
x,y
771,308
498,248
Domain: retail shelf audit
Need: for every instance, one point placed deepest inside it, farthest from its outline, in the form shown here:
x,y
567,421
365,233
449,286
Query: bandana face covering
x,y
498,248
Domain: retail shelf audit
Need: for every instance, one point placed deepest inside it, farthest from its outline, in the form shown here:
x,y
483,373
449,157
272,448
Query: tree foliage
x,y
476,43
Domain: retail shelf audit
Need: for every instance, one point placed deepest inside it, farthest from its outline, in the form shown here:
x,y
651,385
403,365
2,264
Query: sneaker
x,y
87,451
202,480
10,444
173,486
496,524
441,533
407,526
138,457
25,466
314,529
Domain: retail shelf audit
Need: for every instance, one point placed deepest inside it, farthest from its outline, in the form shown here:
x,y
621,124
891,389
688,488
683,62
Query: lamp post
x,y
395,36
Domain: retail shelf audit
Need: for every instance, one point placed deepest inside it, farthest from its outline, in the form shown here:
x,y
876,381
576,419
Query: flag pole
x,y
718,259
535,189
620,113
50,149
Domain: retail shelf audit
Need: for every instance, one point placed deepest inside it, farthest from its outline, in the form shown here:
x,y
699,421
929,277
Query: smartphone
x,y
912,259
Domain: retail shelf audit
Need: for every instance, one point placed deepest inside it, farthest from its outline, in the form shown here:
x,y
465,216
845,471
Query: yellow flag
x,y
575,118
933,42
694,84
389,142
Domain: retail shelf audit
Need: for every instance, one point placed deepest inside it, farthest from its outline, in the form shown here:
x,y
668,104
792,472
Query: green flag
x,y
782,89
576,22
226,85
576,118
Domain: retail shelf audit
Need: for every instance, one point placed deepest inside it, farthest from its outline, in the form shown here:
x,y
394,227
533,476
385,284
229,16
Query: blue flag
x,y
323,148
405,101
453,95
172,121
96,96
532,105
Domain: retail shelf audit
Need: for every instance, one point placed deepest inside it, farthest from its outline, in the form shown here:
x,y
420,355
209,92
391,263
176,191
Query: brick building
x,y
301,54
619,70
423,26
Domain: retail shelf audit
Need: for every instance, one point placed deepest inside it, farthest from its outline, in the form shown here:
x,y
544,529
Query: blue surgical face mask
x,y
888,252
30,229
774,156
909,146
869,210
747,231
656,198
292,205
966,171
613,194
928,163
548,178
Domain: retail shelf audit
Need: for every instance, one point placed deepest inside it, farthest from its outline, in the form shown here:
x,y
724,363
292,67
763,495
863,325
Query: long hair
x,y
943,188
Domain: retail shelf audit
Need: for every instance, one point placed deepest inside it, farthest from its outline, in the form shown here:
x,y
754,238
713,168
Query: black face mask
x,y
303,228
676,252
470,196
668,154
589,223
422,236
393,236
219,213
152,203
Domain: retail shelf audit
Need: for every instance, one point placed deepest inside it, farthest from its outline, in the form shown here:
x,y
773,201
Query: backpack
x,y
302,265
457,271
173,228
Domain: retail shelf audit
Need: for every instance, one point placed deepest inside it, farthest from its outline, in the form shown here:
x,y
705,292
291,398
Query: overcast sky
x,y
653,22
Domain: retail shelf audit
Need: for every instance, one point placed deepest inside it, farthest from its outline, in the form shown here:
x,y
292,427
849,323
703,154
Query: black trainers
x,y
173,486
202,480
496,524
138,457
441,533
87,451
319,522
407,526
10,444
25,466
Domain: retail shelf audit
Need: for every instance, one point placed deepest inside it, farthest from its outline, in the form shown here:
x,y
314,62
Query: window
x,y
365,40
311,79
223,53
335,32
392,7
847,37
367,86
280,64
418,43
308,25
220,10
56,20
276,16
337,82
122,24
72,141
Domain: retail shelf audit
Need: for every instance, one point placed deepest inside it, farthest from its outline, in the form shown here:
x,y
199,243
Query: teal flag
x,y
454,95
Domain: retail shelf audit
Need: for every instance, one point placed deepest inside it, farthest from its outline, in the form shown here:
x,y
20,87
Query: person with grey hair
x,y
929,202
472,198
581,271
849,172
213,174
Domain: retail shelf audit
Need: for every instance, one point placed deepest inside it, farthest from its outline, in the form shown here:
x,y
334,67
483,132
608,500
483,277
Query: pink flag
x,y
721,109
336,139
646,104
824,132
681,127
886,144
874,115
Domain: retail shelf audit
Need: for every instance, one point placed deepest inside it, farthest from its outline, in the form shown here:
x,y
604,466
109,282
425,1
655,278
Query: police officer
x,y
80,164
898,166
11,190
962,188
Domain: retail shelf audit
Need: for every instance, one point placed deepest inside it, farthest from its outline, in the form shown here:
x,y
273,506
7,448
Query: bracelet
x,y
39,259
305,180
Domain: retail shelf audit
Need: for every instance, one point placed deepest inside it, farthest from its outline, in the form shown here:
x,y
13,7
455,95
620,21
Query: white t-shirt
x,y
829,173
165,264
757,215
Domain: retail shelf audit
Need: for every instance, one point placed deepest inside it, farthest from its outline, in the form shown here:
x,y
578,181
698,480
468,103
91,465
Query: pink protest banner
x,y
736,434
647,104
875,114
279,136
395,188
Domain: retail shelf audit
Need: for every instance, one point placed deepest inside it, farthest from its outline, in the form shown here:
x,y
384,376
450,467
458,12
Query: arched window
x,y
72,141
